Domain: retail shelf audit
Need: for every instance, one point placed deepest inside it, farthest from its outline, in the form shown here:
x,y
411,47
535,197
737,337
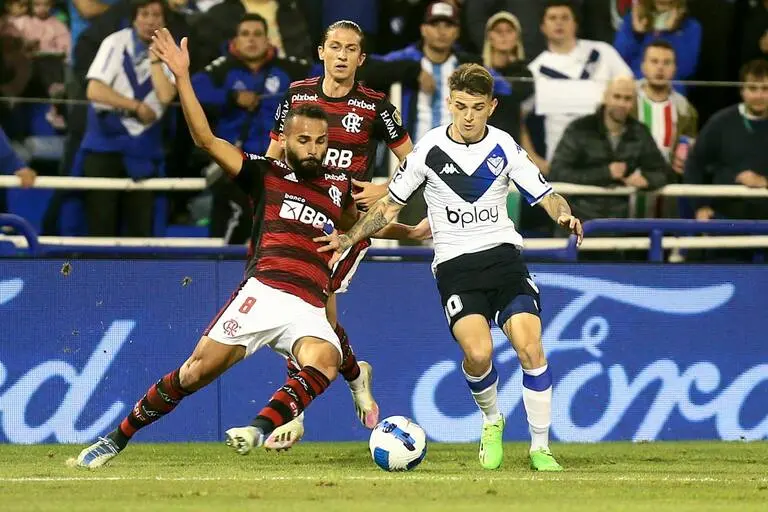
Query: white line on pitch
x,y
383,477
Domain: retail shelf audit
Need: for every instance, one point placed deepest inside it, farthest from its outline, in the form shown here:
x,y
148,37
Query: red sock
x,y
290,400
161,398
349,369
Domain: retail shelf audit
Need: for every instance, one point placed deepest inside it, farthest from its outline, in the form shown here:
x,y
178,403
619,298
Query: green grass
x,y
322,476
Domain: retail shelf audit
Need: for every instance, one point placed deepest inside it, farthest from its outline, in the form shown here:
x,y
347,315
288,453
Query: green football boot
x,y
491,446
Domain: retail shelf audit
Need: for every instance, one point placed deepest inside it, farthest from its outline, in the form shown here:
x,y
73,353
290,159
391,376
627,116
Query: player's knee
x,y
531,354
327,360
477,356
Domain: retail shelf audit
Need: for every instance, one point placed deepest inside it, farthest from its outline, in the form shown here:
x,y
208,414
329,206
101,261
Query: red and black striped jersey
x,y
357,122
288,213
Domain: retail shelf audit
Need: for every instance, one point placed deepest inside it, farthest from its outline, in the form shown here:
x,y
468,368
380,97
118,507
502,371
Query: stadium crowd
x,y
81,95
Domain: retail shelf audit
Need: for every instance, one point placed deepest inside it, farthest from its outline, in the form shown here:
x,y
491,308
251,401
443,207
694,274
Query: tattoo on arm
x,y
378,216
556,206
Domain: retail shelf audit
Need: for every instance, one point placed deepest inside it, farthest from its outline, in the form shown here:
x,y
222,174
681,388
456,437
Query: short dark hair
x,y
252,16
660,43
757,68
471,78
306,110
559,3
344,24
140,4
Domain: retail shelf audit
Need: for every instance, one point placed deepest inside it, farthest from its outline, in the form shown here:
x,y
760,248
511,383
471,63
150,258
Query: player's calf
x,y
319,360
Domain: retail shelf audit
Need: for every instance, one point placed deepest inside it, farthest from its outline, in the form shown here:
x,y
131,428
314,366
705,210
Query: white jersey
x,y
466,187
589,60
123,64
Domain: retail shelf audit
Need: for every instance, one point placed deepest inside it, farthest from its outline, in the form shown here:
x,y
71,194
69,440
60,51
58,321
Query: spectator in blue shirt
x,y
129,93
668,20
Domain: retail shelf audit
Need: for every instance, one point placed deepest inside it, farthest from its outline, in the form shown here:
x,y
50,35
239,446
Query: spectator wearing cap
x,y
426,108
503,51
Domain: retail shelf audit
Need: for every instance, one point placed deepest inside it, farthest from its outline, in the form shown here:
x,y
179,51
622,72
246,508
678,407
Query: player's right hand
x,y
165,48
333,242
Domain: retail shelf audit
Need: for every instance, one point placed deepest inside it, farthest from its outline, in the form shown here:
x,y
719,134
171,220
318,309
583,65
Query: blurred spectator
x,y
15,65
600,19
731,149
670,117
49,43
43,31
591,63
529,12
754,43
212,30
10,163
606,149
426,108
119,16
400,20
244,88
503,52
669,20
81,12
129,91
16,8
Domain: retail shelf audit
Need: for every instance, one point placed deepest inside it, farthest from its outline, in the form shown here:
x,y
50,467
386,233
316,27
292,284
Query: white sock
x,y
483,389
537,398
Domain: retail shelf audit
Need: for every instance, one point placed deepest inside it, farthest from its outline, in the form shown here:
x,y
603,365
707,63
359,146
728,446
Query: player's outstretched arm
x,y
392,231
559,210
382,213
176,58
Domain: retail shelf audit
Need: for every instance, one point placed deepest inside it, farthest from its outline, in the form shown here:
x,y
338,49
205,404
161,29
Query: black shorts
x,y
494,283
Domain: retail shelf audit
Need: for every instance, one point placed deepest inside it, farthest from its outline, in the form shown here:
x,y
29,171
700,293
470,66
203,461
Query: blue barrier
x,y
638,352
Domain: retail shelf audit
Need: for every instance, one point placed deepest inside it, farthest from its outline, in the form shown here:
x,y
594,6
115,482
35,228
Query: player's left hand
x,y
368,193
573,225
176,57
332,243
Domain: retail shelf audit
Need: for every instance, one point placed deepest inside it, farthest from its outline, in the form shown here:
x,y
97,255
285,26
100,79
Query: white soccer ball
x,y
398,444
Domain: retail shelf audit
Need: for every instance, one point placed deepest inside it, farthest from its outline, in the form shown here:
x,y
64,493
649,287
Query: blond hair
x,y
492,21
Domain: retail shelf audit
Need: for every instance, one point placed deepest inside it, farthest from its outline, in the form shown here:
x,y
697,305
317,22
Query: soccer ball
x,y
398,444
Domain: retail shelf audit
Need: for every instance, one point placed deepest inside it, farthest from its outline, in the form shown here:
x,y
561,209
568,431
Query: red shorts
x,y
345,268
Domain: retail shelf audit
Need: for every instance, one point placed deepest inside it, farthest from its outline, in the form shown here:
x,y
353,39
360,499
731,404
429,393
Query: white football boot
x,y
244,439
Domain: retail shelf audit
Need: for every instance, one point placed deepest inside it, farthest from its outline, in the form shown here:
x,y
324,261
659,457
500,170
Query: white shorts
x,y
258,315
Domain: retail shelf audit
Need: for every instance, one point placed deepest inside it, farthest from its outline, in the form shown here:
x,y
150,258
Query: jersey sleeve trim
x,y
537,200
397,199
402,140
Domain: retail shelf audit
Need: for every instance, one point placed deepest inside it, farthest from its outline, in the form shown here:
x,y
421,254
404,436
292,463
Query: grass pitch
x,y
340,476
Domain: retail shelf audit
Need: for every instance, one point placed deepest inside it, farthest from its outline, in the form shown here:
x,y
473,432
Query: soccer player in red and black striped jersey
x,y
359,118
281,303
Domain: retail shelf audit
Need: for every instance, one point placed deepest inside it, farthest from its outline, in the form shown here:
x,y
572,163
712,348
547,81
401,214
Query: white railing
x,y
192,184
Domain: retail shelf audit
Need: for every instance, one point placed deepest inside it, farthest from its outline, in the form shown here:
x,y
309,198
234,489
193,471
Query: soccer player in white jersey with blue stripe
x,y
467,167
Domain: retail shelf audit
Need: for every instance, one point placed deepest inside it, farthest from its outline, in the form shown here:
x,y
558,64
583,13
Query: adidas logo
x,y
291,177
449,168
